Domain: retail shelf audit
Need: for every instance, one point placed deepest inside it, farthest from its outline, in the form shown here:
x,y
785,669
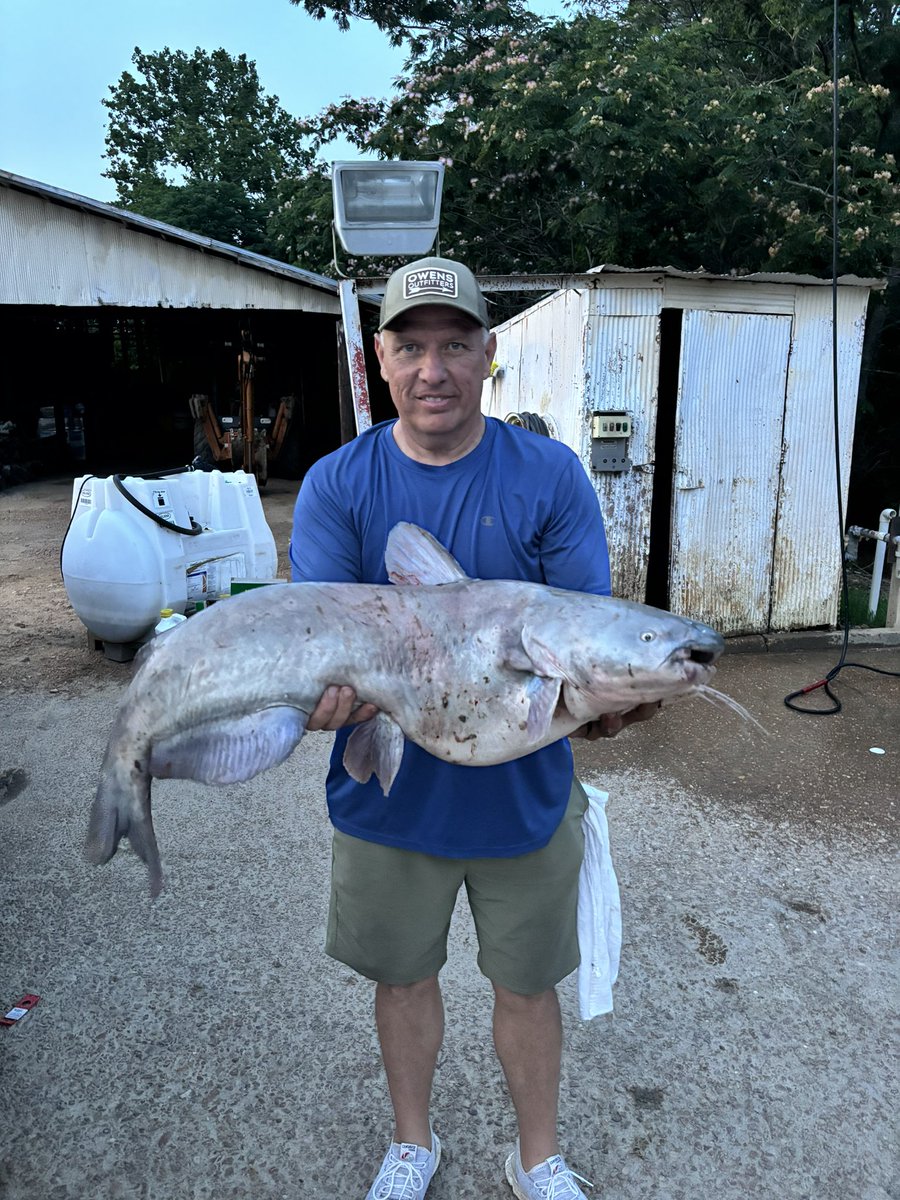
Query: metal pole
x,y
345,400
892,620
356,356
887,515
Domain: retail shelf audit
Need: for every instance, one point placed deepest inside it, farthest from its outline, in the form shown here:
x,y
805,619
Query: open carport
x,y
113,321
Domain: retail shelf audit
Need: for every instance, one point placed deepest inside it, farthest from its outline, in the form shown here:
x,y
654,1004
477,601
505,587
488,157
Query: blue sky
x,y
59,57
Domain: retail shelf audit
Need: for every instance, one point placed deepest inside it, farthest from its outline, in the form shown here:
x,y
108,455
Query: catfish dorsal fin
x,y
413,556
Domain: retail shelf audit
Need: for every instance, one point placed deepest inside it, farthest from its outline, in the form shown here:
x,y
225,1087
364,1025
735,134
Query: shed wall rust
x,y
727,462
806,552
754,523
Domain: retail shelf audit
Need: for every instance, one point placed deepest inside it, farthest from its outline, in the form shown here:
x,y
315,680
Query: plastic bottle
x,y
168,619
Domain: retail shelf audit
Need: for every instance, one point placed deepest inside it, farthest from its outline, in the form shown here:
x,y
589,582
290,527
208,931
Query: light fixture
x,y
387,208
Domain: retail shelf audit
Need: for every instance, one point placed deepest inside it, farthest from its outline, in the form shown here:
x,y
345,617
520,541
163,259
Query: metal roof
x,y
753,277
168,233
373,288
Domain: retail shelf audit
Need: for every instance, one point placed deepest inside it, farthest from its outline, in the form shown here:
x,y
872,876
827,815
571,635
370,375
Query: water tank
x,y
136,545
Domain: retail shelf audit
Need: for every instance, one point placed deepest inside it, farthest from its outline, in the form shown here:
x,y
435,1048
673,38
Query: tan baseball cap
x,y
433,281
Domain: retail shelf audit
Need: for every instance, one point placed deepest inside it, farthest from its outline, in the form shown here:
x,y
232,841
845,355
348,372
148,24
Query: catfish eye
x,y
648,636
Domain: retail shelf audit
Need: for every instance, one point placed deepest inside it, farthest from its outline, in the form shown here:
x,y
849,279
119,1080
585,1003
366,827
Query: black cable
x,y
845,583
62,544
117,480
148,512
529,420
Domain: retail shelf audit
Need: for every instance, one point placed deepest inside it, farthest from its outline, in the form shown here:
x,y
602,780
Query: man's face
x,y
434,361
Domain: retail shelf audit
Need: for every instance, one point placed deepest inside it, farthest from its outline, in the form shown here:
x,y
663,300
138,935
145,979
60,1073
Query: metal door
x,y
728,448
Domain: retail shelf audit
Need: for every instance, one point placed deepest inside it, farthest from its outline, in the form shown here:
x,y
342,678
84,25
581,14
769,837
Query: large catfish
x,y
474,671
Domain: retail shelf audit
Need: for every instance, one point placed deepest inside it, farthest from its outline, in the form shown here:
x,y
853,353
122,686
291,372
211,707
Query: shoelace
x,y
403,1181
559,1185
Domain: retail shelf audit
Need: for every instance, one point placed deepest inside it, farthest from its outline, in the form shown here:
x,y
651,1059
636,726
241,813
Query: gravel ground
x,y
204,1046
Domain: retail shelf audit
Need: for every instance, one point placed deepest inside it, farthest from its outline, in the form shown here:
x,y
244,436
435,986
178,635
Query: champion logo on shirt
x,y
487,520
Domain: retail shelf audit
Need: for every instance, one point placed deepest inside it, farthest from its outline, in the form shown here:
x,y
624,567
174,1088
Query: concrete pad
x,y
204,1046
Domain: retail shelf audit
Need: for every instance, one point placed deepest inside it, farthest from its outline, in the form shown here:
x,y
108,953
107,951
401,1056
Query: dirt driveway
x,y
204,1047
45,644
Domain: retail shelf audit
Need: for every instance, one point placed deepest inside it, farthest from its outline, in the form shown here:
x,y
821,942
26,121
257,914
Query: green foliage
x,y
657,131
216,209
195,141
429,27
856,604
653,138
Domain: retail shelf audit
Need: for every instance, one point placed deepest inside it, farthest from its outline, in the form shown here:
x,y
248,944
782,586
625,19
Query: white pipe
x,y
887,515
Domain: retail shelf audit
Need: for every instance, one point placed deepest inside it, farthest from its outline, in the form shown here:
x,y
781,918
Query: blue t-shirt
x,y
519,506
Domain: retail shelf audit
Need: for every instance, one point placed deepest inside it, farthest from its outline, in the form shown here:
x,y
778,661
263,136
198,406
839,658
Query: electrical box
x,y
610,435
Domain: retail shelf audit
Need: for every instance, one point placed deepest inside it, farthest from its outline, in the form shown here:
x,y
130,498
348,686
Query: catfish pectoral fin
x,y
375,746
543,697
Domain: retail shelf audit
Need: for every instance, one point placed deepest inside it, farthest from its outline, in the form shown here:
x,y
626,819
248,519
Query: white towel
x,y
599,913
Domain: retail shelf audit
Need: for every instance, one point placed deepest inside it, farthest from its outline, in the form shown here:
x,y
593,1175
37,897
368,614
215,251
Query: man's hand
x,y
610,724
338,706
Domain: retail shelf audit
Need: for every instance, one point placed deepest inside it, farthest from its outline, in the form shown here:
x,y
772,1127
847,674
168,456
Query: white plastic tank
x,y
121,567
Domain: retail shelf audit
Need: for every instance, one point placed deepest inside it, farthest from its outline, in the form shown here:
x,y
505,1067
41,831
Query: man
x,y
507,504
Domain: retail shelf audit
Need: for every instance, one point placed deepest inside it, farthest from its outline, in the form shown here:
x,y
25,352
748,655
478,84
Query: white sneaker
x,y
406,1171
549,1180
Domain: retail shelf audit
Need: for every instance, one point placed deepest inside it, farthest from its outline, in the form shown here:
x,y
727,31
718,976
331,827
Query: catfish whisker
x,y
719,699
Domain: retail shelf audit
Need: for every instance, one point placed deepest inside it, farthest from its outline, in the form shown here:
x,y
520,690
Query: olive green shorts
x,y
390,909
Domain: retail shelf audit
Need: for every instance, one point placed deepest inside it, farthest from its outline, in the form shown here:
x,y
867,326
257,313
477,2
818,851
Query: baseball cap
x,y
432,281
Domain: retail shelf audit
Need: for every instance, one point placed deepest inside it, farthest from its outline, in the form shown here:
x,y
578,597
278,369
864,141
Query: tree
x,y
654,137
645,132
429,27
195,141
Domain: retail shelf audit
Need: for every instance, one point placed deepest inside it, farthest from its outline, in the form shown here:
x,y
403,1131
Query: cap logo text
x,y
430,282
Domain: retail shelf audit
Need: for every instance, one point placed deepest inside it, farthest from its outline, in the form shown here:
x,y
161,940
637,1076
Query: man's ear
x,y
379,350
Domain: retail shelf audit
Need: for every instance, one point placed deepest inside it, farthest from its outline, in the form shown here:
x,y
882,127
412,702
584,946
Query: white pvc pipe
x,y
887,515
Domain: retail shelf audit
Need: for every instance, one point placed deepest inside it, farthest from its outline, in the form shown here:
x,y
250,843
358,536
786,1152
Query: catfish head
x,y
612,655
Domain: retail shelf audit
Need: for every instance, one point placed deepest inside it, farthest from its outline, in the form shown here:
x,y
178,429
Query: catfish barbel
x,y
474,671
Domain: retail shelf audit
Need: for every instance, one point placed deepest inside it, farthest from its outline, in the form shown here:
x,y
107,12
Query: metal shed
x,y
702,409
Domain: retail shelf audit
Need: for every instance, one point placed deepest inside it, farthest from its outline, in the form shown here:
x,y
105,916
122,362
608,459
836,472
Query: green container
x,y
244,585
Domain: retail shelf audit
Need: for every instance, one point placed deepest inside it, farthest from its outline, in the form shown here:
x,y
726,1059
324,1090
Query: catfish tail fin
x,y
122,809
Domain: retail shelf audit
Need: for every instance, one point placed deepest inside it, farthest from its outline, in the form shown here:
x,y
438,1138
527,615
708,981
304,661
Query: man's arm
x,y
325,547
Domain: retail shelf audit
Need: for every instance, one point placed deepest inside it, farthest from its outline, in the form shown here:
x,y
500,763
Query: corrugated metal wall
x,y
622,373
754,537
54,254
542,366
729,424
806,566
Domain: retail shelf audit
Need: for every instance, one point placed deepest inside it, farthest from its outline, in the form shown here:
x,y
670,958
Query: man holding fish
x,y
507,504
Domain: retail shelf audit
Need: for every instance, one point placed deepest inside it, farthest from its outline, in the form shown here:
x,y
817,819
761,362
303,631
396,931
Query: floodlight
x,y
387,208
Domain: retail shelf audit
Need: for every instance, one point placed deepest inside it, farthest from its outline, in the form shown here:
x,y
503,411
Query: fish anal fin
x,y
375,746
413,556
232,749
543,697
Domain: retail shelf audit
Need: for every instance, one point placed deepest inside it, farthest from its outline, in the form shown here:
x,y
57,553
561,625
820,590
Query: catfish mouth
x,y
696,663
706,657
